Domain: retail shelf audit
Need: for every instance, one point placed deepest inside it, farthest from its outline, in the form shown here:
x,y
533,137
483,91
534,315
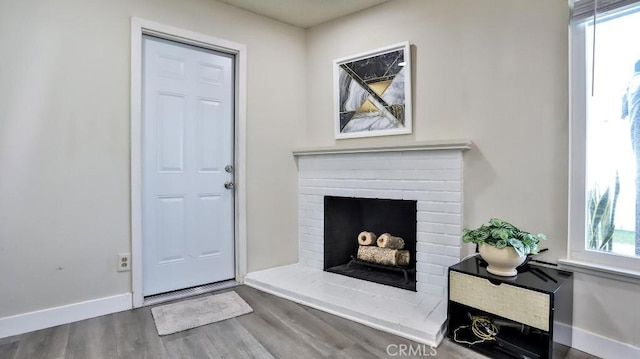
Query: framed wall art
x,y
373,93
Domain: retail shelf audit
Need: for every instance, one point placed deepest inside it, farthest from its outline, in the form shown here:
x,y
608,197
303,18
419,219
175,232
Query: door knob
x,y
228,168
229,185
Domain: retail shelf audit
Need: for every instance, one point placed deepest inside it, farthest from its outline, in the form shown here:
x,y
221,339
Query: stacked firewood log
x,y
385,249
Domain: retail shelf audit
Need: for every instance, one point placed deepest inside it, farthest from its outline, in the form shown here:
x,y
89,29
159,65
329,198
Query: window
x,y
605,128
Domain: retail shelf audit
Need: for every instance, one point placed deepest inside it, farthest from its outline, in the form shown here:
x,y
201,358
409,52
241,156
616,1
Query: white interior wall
x,y
495,72
64,140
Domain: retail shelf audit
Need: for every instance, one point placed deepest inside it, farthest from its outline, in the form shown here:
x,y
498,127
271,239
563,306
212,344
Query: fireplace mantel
x,y
462,145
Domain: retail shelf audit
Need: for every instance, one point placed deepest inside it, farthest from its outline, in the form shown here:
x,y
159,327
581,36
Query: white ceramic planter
x,y
502,261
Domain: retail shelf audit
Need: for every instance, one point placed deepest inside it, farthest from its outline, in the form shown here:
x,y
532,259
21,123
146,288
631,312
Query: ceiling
x,y
304,13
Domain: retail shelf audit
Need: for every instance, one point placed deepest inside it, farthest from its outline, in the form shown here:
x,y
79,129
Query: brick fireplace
x,y
431,174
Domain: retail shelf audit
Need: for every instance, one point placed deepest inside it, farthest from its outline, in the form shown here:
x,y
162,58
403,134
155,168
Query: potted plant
x,y
502,245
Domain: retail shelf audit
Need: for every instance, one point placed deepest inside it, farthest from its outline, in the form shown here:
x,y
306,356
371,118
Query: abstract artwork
x,y
373,93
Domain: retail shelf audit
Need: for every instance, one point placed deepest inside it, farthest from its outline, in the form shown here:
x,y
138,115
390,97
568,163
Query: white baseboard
x,y
598,345
50,317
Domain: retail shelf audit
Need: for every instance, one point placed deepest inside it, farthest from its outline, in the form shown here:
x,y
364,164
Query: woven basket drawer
x,y
518,304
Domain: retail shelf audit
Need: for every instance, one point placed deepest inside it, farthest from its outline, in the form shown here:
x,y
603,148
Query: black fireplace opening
x,y
346,217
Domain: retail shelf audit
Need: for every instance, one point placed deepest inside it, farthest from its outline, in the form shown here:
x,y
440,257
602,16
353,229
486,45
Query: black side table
x,y
526,316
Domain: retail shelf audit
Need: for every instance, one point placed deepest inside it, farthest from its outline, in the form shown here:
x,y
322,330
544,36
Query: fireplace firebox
x,y
346,217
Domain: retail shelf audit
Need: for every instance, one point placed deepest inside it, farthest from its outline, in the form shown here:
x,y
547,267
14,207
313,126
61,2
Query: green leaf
x,y
500,233
483,235
518,246
601,207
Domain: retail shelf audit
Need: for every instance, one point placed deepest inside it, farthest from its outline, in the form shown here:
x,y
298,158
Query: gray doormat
x,y
187,314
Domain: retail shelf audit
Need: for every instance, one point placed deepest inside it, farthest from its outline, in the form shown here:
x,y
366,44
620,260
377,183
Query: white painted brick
x,y
307,182
310,230
431,248
366,193
414,174
369,164
439,154
452,251
429,289
311,198
410,195
442,260
302,256
311,255
431,217
314,239
435,186
313,215
306,222
430,228
337,183
434,164
444,207
357,174
421,246
437,280
389,194
317,216
430,268
312,247
438,239
440,175
455,208
315,191
308,173
422,277
453,229
363,156
354,183
312,263
423,164
453,197
302,203
436,217
304,164
399,185
316,207
424,206
432,196
341,192
379,184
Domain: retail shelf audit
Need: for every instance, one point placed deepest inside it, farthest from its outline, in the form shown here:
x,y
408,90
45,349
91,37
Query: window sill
x,y
622,275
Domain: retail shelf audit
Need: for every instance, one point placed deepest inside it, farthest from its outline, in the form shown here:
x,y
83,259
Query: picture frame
x,y
372,93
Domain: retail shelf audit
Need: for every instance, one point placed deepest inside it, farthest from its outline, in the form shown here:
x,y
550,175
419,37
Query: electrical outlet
x,y
124,262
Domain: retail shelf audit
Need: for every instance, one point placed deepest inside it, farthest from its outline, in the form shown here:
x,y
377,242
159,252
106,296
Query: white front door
x,y
187,158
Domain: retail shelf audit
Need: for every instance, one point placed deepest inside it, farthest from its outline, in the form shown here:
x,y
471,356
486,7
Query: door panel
x,y
187,213
210,209
210,135
170,118
171,230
